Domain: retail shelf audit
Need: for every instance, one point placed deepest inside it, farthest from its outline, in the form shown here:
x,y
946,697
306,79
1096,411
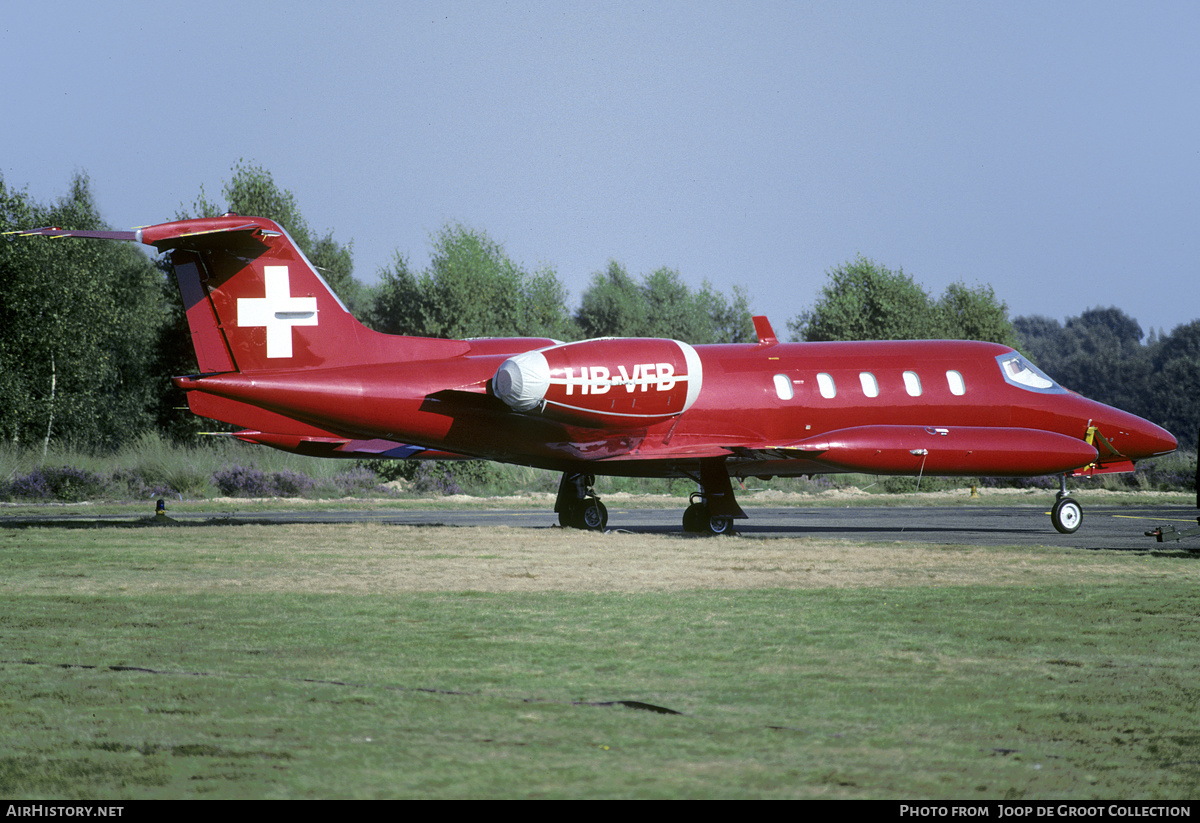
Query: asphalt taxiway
x,y
1112,527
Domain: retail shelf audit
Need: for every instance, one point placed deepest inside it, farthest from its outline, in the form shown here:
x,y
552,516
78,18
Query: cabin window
x,y
957,386
783,387
826,385
912,384
870,385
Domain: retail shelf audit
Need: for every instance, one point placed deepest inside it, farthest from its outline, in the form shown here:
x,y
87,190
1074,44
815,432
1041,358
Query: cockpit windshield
x,y
1021,373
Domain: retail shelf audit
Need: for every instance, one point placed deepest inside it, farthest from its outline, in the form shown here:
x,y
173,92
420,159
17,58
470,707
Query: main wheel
x,y
590,514
720,525
593,515
695,518
1066,515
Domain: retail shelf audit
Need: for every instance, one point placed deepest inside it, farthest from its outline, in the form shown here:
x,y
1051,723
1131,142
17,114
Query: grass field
x,y
372,661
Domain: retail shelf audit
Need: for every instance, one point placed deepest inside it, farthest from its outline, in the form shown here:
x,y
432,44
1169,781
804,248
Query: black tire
x,y
1066,515
695,517
593,516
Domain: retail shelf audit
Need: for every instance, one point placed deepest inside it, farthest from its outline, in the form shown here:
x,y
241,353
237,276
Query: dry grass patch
x,y
372,558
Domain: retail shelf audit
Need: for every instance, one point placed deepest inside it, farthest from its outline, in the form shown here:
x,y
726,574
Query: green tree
x,y
79,320
472,288
974,314
866,301
733,322
613,305
1041,339
398,306
662,305
1100,354
1174,384
544,306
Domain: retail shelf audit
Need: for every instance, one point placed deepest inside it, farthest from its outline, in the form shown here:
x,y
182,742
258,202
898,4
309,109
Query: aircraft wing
x,y
941,450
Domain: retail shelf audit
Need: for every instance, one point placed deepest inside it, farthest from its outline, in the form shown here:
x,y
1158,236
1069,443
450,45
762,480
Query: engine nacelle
x,y
614,382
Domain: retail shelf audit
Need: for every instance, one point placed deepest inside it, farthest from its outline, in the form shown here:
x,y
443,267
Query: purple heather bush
x,y
291,484
434,478
242,481
357,478
239,481
62,483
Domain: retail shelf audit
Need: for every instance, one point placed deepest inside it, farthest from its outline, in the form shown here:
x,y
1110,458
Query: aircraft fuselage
x,y
777,397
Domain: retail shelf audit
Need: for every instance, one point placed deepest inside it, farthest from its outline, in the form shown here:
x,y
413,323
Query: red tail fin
x,y
255,303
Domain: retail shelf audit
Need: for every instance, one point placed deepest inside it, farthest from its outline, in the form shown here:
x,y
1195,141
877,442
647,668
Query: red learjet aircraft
x,y
281,357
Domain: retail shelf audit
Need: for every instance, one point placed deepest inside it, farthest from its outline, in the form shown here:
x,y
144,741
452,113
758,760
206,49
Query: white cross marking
x,y
278,311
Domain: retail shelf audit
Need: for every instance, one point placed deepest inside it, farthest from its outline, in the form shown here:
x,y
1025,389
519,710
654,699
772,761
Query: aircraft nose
x,y
1137,438
1156,440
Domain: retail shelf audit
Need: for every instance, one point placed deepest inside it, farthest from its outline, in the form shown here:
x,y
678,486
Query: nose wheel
x,y
1066,514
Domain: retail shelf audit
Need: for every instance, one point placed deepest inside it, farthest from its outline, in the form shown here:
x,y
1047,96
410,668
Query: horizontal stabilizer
x,y
55,231
246,238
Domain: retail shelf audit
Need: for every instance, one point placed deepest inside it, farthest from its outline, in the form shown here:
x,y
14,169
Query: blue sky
x,y
1050,149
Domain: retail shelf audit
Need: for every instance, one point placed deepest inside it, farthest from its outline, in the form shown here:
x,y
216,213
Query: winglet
x,y
766,334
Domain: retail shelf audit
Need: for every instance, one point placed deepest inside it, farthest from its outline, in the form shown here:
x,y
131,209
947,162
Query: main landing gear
x,y
577,505
712,508
1066,514
699,519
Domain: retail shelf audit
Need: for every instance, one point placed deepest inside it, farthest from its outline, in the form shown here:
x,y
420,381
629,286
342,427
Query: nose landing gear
x,y
1067,514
